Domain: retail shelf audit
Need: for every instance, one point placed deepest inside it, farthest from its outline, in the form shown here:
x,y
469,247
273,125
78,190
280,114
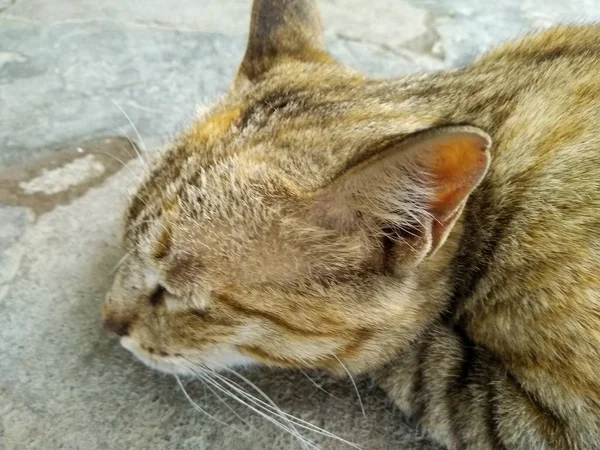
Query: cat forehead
x,y
235,182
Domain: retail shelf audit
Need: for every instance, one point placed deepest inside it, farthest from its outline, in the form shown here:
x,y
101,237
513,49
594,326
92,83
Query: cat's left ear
x,y
410,189
281,30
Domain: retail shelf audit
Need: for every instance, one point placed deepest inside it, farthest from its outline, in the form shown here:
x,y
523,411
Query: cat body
x,y
439,231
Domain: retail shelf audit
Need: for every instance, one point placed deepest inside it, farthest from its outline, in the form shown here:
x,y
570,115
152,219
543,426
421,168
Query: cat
x,y
440,232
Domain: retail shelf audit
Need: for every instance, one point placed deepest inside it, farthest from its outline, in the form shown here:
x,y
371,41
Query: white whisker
x,y
136,132
121,261
262,393
317,385
197,407
206,378
297,421
362,407
292,430
216,394
124,165
139,179
132,144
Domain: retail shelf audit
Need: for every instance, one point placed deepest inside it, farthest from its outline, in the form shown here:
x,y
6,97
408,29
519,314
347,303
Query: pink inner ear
x,y
456,164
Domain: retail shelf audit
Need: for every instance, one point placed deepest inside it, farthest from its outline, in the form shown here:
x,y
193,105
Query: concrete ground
x,y
69,72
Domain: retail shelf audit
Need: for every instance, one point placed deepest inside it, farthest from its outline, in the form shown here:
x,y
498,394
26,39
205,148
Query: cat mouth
x,y
163,362
187,365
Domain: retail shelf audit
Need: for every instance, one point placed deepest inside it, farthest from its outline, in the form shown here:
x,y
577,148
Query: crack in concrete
x,y
400,52
93,20
427,44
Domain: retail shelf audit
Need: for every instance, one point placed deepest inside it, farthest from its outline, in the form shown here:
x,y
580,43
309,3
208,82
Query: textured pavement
x,y
70,72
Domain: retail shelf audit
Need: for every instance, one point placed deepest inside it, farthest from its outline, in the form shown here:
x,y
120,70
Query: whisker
x,y
208,379
121,261
124,165
317,385
139,179
216,394
299,422
292,429
197,407
130,142
136,132
362,407
296,420
261,392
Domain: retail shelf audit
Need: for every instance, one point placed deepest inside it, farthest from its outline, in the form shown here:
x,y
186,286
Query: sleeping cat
x,y
439,231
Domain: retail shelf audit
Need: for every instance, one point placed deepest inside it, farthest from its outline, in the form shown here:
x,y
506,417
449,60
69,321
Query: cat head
x,y
303,222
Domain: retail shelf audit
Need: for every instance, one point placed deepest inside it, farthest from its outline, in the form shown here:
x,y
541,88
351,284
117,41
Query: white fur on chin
x,y
178,365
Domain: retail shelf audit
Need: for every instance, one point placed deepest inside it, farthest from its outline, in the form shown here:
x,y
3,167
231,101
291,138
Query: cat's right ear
x,y
281,30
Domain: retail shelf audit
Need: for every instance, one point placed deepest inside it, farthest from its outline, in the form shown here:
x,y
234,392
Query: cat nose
x,y
119,328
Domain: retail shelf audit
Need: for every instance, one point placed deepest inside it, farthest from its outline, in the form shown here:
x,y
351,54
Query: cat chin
x,y
180,365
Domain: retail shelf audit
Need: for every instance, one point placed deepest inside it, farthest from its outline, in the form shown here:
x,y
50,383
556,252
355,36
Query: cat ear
x,y
411,189
282,30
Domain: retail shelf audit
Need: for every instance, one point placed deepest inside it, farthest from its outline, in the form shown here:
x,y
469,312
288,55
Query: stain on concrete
x,y
65,174
71,174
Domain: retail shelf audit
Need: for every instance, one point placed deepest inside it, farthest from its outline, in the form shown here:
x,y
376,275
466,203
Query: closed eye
x,y
157,296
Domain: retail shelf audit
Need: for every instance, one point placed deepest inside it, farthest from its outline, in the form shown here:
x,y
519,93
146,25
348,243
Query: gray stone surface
x,y
15,221
65,65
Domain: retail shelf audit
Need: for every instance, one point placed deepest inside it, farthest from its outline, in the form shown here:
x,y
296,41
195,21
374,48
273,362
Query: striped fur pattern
x,y
439,231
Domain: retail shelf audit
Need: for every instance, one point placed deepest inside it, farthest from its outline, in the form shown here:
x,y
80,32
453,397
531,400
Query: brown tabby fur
x,y
316,216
